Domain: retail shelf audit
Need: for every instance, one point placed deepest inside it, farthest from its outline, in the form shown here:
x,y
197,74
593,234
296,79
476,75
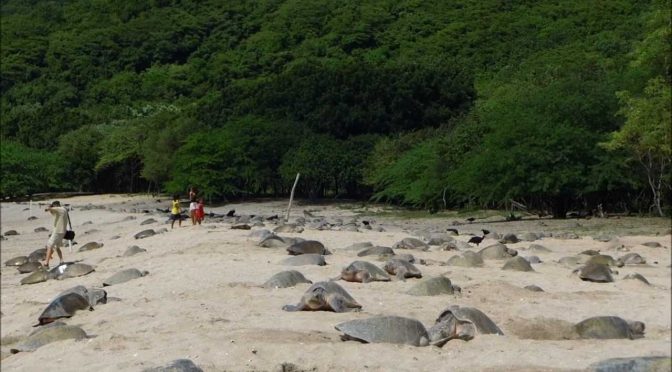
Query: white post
x,y
30,208
291,196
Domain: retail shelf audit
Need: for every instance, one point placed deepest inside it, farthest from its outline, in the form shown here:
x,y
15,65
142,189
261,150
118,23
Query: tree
x,y
79,150
646,134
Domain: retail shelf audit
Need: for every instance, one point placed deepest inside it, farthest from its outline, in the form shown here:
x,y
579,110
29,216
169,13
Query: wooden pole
x,y
291,196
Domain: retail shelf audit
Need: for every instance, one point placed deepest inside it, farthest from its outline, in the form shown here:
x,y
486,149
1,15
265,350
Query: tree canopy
x,y
421,103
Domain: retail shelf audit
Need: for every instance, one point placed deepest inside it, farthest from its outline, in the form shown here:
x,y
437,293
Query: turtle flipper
x,y
366,277
341,304
298,307
401,274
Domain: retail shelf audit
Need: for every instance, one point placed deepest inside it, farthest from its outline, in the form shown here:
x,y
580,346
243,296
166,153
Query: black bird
x,y
476,240
231,213
453,230
485,232
273,217
471,219
366,223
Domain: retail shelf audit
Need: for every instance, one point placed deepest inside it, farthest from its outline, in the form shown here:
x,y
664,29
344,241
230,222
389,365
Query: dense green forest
x,y
556,104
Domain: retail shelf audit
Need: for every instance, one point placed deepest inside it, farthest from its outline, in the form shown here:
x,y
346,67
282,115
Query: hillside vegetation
x,y
432,103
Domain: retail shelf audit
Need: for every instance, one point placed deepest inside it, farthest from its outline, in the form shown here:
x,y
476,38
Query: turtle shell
x,y
385,329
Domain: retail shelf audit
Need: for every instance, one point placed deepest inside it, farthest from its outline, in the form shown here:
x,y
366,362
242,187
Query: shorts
x,y
55,240
174,217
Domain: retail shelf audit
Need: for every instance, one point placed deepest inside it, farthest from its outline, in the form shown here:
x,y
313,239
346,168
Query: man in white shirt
x,y
60,225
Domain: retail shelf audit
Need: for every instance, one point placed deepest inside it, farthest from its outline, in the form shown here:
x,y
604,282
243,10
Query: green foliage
x,y
25,171
419,102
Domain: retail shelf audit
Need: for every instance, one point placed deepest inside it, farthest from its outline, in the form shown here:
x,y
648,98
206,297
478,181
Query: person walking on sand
x,y
192,193
193,206
200,212
175,211
56,239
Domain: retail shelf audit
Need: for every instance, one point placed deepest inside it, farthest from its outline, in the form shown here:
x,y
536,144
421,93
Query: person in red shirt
x,y
200,212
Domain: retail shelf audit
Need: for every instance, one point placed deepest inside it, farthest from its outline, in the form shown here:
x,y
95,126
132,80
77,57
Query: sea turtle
x,y
566,235
307,247
595,273
133,250
17,261
285,279
635,364
461,323
49,334
590,252
64,306
467,259
433,287
11,233
304,259
363,272
288,228
375,251
411,243
637,276
40,229
439,239
272,241
148,221
325,296
632,259
538,248
124,276
533,259
241,226
145,234
570,261
533,288
509,239
652,244
358,246
38,255
603,259
178,365
529,237
90,246
70,270
402,269
38,276
29,267
607,327
497,252
385,329
517,264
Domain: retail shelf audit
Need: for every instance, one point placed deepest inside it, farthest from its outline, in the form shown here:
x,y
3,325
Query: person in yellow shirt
x,y
175,211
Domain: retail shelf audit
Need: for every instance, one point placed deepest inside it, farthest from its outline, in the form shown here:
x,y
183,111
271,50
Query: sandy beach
x,y
202,298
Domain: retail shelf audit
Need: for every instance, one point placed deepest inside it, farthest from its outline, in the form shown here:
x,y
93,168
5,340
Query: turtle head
x,y
636,329
316,299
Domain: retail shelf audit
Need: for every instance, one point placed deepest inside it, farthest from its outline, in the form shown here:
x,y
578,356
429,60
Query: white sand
x,y
201,300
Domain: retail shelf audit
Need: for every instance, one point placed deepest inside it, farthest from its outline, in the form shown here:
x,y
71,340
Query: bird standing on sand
x,y
478,239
